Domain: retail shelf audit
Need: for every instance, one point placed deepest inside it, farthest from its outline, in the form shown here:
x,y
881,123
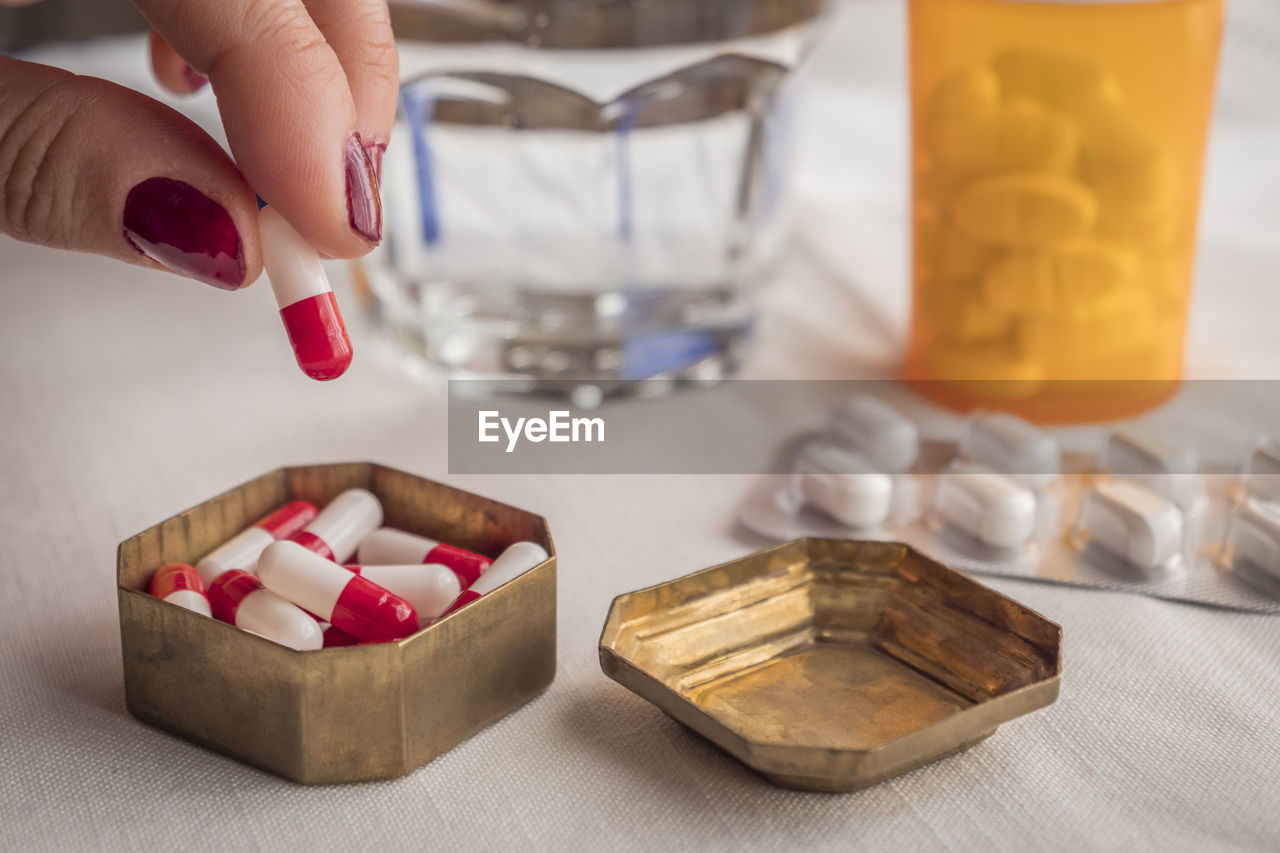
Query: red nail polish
x,y
364,208
375,151
176,225
195,80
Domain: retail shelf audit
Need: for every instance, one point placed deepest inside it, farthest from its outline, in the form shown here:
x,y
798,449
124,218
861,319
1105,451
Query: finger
x,y
92,166
171,70
288,112
359,31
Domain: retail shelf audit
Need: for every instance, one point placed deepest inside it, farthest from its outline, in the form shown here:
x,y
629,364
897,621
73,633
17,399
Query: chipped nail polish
x,y
364,208
176,225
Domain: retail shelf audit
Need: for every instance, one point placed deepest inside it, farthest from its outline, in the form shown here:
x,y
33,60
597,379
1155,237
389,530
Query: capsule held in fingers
x,y
307,305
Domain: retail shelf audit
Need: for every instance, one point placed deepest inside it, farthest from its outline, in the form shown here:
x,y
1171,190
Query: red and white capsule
x,y
429,587
240,598
180,584
241,551
307,307
343,599
511,563
391,547
347,519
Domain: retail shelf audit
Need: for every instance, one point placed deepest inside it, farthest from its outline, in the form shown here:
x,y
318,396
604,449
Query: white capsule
x,y
986,505
307,306
337,595
270,616
1254,536
511,563
387,546
293,266
390,547
1154,462
338,529
888,441
1131,522
842,484
429,587
239,552
241,599
180,584
1262,471
1013,447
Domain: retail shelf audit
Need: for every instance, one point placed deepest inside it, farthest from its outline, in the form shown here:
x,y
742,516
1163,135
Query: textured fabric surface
x,y
129,395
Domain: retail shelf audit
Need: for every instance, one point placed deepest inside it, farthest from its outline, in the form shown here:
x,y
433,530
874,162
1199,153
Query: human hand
x,y
307,93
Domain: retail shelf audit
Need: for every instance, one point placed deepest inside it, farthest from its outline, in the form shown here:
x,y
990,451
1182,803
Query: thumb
x,y
95,167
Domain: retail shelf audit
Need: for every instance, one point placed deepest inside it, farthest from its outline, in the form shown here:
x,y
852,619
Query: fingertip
x,y
171,70
293,128
358,227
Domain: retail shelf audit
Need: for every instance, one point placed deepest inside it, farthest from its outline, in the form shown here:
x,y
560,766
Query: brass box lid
x,y
832,664
341,714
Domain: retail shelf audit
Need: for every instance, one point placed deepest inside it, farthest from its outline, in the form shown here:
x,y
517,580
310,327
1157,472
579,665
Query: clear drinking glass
x,y
589,191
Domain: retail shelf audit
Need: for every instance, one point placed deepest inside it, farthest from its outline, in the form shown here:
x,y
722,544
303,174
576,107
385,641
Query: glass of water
x,y
589,191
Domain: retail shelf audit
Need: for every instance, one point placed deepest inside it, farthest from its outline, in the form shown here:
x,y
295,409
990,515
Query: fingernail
x,y
363,205
195,80
375,151
176,225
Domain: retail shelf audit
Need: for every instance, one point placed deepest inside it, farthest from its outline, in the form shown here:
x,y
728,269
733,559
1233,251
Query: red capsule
x,y
335,532
335,637
240,599
513,562
241,551
391,547
180,584
318,335
461,601
348,601
307,307
288,519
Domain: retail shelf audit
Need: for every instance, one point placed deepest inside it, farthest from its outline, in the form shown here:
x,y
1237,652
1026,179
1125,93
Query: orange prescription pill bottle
x,y
1057,150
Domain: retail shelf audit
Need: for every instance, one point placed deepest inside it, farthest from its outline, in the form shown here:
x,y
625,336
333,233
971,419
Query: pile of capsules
x,y
288,577
1048,215
1139,514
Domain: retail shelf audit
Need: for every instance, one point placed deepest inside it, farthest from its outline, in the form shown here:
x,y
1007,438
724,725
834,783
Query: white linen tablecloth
x,y
129,395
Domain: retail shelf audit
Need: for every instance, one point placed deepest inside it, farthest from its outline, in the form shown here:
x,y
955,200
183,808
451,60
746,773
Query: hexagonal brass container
x,y
830,664
341,714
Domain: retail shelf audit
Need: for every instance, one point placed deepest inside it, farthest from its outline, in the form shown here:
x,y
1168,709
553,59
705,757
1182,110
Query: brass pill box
x,y
342,714
832,664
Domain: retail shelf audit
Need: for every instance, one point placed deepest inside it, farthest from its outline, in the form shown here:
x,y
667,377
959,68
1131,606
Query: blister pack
x,y
1140,513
